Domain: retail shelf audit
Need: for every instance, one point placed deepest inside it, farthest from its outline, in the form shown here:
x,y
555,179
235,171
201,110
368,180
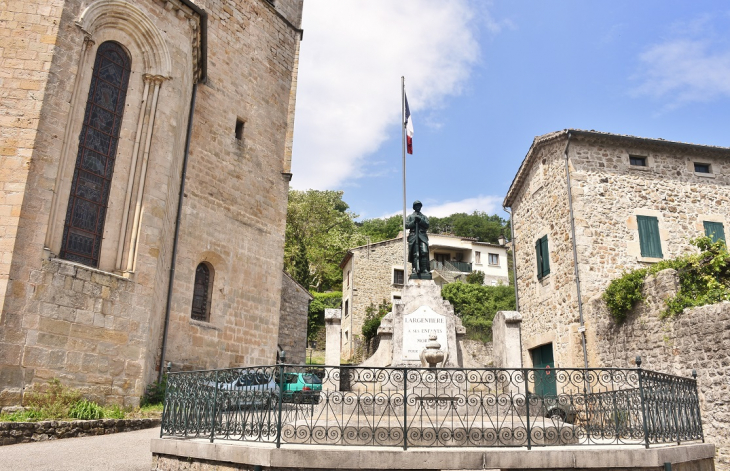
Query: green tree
x,y
315,317
319,231
477,305
381,229
478,225
475,278
373,315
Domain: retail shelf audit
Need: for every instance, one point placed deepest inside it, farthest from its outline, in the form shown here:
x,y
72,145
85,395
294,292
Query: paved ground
x,y
128,451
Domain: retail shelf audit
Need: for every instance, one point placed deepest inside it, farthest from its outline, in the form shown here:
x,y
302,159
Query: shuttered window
x,y
543,257
714,230
651,244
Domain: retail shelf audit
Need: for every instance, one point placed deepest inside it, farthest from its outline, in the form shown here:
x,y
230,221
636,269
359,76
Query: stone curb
x,y
25,432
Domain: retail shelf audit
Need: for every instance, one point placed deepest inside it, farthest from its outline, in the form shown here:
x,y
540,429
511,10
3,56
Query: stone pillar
x,y
333,349
506,341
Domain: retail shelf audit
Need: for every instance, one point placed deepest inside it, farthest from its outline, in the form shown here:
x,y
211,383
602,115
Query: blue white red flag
x,y
409,127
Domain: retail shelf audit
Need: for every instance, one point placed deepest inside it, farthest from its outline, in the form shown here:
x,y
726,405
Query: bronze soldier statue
x,y
417,225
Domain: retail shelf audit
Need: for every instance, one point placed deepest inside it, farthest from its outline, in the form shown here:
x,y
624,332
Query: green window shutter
x,y
651,244
714,230
545,256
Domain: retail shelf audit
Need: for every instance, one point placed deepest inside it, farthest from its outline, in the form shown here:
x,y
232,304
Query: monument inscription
x,y
417,326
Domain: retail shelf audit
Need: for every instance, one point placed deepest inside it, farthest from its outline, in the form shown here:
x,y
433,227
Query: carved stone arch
x,y
124,16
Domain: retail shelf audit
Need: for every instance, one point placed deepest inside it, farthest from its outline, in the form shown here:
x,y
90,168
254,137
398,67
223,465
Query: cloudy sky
x,y
483,79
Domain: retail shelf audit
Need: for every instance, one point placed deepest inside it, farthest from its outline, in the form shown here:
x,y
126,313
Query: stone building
x,y
610,203
295,301
143,142
374,272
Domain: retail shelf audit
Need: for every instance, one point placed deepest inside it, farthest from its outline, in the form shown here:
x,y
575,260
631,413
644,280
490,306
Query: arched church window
x,y
87,203
202,293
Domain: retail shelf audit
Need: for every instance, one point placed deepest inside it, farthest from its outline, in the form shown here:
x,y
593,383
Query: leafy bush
x,y
373,315
53,400
86,410
704,278
114,412
154,393
477,305
315,316
475,278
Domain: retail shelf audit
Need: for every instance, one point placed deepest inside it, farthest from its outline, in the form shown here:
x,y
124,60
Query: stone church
x,y
145,159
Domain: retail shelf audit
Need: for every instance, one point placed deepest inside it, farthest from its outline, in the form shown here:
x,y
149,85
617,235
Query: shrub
x,y
475,278
476,305
114,412
53,400
86,410
704,278
154,393
373,315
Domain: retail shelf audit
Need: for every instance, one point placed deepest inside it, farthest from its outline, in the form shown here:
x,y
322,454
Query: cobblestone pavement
x,y
129,451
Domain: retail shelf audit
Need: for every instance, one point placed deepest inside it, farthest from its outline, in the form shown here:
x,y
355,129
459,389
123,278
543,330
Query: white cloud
x,y
486,204
351,61
692,66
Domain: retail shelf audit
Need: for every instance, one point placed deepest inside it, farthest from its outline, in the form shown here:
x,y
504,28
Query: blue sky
x,y
483,79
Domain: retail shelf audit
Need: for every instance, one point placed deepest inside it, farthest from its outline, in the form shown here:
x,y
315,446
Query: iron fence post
x,y
643,402
214,412
697,396
278,404
405,408
527,410
674,401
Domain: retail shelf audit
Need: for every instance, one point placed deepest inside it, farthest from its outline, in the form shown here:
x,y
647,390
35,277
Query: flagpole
x,y
403,148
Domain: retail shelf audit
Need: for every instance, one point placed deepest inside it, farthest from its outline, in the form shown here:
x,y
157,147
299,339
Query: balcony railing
x,y
421,407
463,267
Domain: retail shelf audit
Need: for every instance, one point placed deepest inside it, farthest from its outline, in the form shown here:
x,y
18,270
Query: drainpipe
x,y
514,268
202,79
582,328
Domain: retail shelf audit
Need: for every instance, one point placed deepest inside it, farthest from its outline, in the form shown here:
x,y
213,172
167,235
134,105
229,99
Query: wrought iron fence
x,y
421,407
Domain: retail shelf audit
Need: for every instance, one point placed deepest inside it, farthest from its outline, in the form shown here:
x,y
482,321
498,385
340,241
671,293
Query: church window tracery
x,y
88,201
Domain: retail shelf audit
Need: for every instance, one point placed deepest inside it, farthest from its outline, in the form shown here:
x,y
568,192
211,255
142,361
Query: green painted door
x,y
542,358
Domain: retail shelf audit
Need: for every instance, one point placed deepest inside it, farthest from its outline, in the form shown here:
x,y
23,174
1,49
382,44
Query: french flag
x,y
409,128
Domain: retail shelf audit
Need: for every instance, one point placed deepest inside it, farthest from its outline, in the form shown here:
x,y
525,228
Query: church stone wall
x,y
81,324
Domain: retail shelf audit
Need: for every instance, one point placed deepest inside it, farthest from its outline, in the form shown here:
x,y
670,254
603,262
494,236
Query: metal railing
x,y
463,267
421,407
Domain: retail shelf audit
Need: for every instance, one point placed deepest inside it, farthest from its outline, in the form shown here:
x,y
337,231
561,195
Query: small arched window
x,y
202,293
87,203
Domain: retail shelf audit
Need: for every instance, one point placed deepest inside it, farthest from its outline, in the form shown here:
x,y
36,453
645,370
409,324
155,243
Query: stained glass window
x,y
201,293
84,227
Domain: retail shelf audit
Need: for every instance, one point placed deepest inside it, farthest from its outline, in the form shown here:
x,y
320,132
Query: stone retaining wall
x,y
697,339
24,432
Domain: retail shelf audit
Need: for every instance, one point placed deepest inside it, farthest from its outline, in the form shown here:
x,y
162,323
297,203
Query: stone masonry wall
x,y
698,339
607,194
293,320
372,275
234,207
234,211
28,33
27,432
547,306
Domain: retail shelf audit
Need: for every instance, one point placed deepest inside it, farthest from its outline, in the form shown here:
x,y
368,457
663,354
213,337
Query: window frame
x,y
642,158
651,240
707,225
206,273
395,276
489,259
542,252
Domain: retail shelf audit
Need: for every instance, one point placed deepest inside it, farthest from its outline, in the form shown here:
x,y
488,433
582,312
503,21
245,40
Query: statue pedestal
x,y
405,331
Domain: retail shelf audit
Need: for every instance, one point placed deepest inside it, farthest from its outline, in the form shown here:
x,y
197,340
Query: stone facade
x,y
100,328
368,276
698,339
293,320
608,193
